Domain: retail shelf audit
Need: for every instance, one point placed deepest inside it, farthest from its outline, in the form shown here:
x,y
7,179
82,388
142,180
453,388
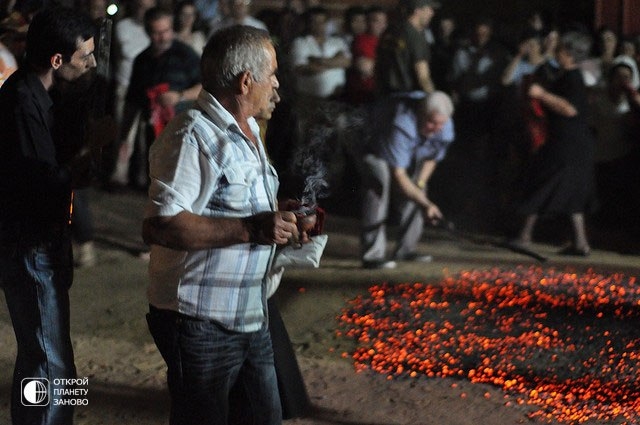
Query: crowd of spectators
x,y
328,58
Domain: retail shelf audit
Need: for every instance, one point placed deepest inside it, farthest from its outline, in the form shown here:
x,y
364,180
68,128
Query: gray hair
x,y
437,102
576,44
232,51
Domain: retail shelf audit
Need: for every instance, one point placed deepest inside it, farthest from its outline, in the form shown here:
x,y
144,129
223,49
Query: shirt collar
x,y
219,115
41,95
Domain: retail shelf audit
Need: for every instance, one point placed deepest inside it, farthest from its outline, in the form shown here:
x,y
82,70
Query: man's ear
x,y
246,82
56,61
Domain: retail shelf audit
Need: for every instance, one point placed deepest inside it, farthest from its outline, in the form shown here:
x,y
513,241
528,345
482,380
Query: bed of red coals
x,y
565,342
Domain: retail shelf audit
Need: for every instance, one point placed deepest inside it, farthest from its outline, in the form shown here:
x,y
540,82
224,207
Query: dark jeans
x,y
36,278
215,376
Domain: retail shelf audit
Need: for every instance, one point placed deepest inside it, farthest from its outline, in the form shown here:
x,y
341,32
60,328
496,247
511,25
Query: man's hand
x,y
536,91
432,214
170,98
273,227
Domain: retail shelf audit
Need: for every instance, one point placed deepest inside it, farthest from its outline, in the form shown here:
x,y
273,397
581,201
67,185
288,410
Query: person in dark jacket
x,y
36,268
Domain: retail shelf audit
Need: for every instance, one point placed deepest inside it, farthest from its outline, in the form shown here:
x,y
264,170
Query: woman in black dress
x,y
560,180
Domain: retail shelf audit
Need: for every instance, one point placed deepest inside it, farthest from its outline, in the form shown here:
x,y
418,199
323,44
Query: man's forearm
x,y
410,189
424,76
190,232
428,166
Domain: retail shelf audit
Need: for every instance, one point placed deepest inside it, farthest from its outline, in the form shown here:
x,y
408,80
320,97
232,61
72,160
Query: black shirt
x,y
399,49
35,190
179,67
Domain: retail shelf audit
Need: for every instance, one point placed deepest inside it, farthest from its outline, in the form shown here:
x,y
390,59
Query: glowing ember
x,y
563,341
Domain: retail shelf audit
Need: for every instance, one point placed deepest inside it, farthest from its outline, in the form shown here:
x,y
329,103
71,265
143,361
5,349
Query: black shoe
x,y
575,251
415,257
379,264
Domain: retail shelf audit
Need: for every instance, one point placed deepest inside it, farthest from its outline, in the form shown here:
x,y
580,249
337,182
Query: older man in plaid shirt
x,y
213,224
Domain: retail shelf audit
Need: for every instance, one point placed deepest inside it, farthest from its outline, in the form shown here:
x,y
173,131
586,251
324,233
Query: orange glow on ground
x,y
565,342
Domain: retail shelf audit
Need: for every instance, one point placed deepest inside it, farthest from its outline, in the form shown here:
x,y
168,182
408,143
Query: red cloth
x,y
294,205
535,117
537,124
160,115
361,89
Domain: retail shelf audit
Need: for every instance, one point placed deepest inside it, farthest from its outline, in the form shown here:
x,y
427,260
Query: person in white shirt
x,y
131,39
238,15
320,61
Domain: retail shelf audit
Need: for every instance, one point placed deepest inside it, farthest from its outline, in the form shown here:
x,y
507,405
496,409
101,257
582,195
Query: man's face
x,y
426,14
239,9
377,23
187,16
161,34
80,63
264,93
432,124
483,34
564,58
97,9
317,25
358,24
265,113
145,5
621,77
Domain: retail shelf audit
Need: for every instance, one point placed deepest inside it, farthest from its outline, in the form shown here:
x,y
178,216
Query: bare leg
x,y
580,241
526,233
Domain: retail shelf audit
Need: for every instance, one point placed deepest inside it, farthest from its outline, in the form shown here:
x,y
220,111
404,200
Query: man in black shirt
x,y
402,57
36,189
165,80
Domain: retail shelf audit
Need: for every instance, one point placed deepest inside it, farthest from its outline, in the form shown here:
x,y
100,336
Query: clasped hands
x,y
279,227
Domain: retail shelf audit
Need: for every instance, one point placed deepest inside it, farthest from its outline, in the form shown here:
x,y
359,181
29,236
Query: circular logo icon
x,y
35,392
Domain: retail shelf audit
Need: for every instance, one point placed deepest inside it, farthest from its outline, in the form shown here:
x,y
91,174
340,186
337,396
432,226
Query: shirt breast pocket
x,y
236,193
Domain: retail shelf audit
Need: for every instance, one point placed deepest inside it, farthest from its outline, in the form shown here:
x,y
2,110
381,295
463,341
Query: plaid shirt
x,y
203,164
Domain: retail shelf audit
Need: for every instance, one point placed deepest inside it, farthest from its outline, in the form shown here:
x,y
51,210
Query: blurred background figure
x,y
535,23
477,90
238,14
209,12
360,86
596,68
186,25
616,124
560,178
445,35
525,61
165,79
354,23
319,60
397,166
130,39
402,61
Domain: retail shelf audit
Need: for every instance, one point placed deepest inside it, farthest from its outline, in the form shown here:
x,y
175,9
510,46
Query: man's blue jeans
x,y
36,278
215,376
